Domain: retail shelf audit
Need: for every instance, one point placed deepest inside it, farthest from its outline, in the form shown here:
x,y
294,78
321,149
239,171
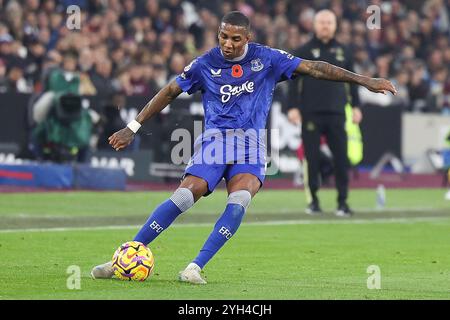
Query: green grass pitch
x,y
278,253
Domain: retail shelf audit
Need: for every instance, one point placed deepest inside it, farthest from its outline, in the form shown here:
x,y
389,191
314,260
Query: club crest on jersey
x,y
237,71
257,65
215,73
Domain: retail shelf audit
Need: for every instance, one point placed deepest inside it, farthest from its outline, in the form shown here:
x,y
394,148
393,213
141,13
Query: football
x,y
133,261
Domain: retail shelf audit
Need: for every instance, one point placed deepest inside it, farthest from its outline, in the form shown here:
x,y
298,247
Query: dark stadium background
x,y
126,51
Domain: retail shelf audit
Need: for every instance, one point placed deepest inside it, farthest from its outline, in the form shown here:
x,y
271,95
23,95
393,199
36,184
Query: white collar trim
x,y
237,58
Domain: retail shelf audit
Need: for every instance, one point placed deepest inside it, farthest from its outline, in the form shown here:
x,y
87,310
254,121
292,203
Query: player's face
x,y
232,40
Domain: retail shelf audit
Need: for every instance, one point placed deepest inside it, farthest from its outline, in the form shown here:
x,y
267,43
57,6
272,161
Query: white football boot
x,y
103,271
447,195
191,274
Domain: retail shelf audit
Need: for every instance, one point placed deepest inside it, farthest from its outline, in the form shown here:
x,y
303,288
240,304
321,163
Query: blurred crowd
x,y
134,47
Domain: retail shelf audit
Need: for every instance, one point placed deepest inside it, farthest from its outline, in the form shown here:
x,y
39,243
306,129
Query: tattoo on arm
x,y
163,98
326,71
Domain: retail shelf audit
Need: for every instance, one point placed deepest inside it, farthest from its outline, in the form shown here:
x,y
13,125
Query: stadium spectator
x,y
413,33
3,80
16,80
101,78
135,81
86,60
418,87
6,49
400,81
34,62
435,100
176,66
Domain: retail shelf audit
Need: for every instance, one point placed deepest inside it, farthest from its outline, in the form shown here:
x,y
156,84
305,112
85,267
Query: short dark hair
x,y
237,18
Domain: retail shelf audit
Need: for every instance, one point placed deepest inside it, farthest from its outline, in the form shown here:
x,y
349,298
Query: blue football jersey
x,y
237,94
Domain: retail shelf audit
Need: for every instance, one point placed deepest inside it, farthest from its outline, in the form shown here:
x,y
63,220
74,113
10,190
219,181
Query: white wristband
x,y
134,126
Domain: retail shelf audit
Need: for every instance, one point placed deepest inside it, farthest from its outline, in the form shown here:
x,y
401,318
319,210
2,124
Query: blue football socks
x,y
162,217
224,229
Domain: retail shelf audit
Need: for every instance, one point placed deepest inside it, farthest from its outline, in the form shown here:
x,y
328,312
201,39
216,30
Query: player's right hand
x,y
121,138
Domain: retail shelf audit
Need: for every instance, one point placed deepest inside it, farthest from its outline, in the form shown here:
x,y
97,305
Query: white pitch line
x,y
259,223
359,210
250,212
119,227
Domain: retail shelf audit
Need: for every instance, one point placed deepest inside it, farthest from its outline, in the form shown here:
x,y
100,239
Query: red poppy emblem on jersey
x,y
236,71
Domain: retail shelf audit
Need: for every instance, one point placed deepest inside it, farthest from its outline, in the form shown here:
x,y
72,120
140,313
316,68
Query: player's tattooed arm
x,y
326,71
162,99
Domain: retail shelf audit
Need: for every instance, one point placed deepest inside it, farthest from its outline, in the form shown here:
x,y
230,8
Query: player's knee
x,y
196,185
242,197
183,198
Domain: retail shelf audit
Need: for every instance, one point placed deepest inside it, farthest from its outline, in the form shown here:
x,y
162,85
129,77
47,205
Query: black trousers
x,y
332,126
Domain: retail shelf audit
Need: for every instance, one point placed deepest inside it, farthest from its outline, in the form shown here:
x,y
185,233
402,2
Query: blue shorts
x,y
212,162
213,174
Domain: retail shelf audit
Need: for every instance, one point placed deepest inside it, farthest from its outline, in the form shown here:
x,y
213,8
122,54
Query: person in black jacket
x,y
320,107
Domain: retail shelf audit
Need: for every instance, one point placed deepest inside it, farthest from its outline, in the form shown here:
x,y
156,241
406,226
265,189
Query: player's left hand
x,y
380,85
121,138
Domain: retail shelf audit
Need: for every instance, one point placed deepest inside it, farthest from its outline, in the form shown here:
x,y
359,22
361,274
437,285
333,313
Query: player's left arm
x,y
327,71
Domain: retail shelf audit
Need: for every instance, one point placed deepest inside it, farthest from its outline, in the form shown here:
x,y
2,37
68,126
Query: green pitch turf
x,y
278,253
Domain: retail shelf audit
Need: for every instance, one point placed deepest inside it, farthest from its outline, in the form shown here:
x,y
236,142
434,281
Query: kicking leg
x,y
189,191
241,188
